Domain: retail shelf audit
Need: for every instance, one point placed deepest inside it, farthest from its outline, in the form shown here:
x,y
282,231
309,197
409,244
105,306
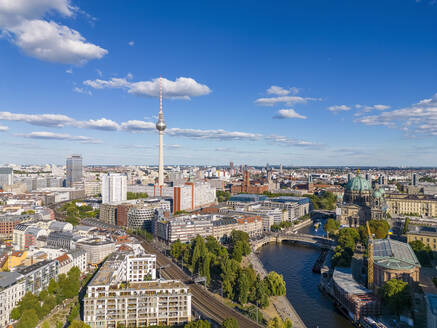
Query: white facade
x,y
79,258
12,289
114,188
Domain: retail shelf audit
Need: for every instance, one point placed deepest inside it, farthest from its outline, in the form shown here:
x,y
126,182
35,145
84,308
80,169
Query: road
x,y
202,300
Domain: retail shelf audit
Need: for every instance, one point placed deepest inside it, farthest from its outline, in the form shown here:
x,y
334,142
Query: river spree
x,y
295,263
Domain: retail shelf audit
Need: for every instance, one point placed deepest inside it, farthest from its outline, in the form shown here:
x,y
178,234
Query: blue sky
x,y
292,82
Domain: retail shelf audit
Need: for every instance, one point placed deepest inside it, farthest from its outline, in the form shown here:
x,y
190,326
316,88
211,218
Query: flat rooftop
x,y
394,254
344,279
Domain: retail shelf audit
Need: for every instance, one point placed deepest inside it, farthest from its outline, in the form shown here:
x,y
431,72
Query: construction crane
x,y
369,258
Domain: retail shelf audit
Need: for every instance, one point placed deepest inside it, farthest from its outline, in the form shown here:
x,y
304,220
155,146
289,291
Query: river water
x,y
295,263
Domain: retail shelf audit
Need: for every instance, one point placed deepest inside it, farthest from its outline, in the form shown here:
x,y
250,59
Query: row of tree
x,y
324,201
136,195
221,267
423,252
33,308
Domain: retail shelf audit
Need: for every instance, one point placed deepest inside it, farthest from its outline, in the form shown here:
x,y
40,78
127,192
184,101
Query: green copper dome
x,y
378,193
358,183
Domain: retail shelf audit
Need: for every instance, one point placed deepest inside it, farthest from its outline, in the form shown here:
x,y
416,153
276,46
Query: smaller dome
x,y
377,194
358,183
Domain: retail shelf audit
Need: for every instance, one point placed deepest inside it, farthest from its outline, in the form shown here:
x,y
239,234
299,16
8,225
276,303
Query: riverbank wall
x,y
281,303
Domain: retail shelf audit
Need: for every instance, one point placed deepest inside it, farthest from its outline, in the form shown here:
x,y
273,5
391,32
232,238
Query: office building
x,y
6,176
413,205
114,188
97,250
74,170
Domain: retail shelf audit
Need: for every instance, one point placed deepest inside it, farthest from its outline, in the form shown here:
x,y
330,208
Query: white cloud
x,y
286,141
3,128
51,120
58,136
287,100
100,124
181,88
69,71
288,113
131,43
280,91
212,134
99,72
419,118
138,126
338,108
82,90
22,21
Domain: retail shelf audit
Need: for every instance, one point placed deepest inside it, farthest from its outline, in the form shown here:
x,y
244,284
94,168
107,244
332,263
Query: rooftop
x,y
344,279
421,230
8,279
393,254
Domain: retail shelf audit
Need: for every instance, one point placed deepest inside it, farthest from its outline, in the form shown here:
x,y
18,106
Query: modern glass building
x,y
74,169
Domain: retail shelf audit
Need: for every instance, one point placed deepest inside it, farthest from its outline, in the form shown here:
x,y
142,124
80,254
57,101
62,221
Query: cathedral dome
x,y
359,184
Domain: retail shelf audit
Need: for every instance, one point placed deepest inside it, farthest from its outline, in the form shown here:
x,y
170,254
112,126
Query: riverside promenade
x,y
281,303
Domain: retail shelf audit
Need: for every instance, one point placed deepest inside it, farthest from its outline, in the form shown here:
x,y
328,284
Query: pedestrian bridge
x,y
299,238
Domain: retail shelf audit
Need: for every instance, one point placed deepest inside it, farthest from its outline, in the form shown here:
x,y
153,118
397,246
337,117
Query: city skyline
x,y
293,83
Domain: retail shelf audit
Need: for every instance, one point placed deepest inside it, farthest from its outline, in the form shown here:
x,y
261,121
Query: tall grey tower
x,y
160,126
74,169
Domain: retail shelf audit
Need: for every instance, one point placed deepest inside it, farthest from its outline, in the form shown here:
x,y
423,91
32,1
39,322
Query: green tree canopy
x,y
29,319
78,324
230,323
278,323
275,284
198,324
396,294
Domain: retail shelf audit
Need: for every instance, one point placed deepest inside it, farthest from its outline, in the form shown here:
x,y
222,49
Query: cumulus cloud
x,y
131,43
181,88
419,118
288,113
3,128
82,90
58,136
287,100
280,91
22,21
338,108
69,71
100,124
365,109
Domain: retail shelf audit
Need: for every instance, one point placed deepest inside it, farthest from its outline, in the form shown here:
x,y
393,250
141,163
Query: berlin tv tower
x,y
160,126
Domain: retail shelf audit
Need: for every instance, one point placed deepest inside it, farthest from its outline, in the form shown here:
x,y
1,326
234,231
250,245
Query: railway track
x,y
202,300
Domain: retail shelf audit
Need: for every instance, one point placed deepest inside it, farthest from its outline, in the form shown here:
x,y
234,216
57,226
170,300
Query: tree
x,y
28,302
230,323
243,287
78,324
74,313
29,319
423,252
176,249
45,324
237,251
396,294
379,228
278,323
198,324
223,196
275,284
331,226
406,224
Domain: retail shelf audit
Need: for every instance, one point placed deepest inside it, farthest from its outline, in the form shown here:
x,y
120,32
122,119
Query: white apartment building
x,y
12,289
96,249
120,295
114,188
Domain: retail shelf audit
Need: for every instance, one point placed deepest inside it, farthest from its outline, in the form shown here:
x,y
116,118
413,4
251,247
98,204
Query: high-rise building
x,y
414,179
74,169
6,176
114,188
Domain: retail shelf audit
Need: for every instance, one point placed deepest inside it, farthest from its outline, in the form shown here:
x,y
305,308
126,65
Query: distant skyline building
x,y
74,169
414,179
160,126
114,188
6,176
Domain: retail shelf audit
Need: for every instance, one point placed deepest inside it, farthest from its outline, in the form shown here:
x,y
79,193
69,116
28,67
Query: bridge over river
x,y
289,236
